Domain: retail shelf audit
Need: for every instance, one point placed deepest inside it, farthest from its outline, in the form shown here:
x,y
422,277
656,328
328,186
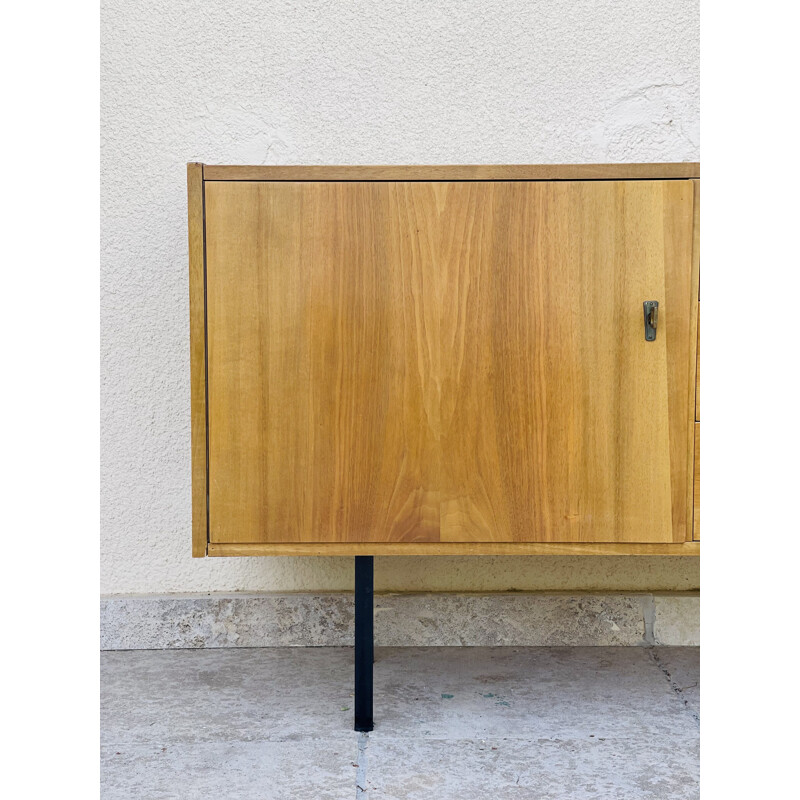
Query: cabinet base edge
x,y
457,549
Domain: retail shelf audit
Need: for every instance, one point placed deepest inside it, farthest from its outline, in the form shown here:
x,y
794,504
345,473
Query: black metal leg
x,y
364,642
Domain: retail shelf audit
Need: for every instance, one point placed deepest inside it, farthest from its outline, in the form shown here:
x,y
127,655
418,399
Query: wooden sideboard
x,y
444,360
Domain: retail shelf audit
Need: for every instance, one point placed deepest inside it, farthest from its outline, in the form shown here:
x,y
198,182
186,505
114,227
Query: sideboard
x,y
439,360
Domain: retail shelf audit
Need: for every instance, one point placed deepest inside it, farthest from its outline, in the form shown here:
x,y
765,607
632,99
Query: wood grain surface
x,y
455,172
691,549
696,531
197,346
697,375
449,362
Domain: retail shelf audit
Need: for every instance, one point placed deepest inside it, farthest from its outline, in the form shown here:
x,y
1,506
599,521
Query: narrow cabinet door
x,y
453,362
560,421
322,362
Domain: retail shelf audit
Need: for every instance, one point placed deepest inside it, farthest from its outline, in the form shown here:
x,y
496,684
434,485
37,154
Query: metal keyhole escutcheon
x,y
650,319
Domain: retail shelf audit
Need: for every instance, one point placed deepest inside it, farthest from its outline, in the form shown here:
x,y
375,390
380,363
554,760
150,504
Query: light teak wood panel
x,y
696,533
322,363
684,549
697,377
197,346
448,362
454,172
588,425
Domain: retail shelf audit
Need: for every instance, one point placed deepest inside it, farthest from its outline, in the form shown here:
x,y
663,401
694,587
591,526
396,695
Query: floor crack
x,y
362,790
675,687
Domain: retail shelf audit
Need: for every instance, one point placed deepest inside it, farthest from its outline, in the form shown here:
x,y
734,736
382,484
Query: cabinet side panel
x,y
197,339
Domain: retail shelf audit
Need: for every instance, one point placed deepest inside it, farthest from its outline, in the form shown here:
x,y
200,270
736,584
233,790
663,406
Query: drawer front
x,y
448,361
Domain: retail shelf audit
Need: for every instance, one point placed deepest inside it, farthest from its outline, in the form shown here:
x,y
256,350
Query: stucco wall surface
x,y
396,81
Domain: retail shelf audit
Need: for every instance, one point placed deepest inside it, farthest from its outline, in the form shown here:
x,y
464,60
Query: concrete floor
x,y
451,722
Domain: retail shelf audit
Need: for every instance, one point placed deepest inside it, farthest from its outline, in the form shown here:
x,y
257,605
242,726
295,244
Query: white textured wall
x,y
395,81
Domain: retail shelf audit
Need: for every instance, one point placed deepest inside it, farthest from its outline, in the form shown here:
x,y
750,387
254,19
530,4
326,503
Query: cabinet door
x,y
452,362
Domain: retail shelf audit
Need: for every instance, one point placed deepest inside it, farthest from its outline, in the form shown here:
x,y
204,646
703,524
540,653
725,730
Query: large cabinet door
x,y
448,361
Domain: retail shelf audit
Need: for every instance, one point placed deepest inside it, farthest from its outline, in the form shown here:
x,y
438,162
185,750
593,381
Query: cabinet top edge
x,y
475,172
